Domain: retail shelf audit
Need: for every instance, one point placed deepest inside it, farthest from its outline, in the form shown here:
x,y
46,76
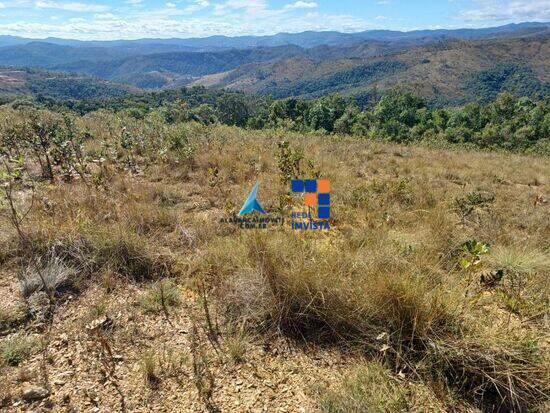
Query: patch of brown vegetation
x,y
174,311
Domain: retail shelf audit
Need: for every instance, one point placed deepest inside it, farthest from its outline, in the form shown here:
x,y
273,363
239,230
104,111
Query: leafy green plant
x,y
472,250
68,150
41,132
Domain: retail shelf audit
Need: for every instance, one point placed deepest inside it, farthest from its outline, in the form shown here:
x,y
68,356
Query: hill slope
x,y
435,63
450,71
180,66
156,301
22,81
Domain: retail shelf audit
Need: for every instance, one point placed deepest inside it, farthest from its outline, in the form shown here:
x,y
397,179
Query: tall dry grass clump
x,y
310,291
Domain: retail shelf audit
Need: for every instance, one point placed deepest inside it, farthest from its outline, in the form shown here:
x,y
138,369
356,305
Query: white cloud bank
x,y
75,7
509,10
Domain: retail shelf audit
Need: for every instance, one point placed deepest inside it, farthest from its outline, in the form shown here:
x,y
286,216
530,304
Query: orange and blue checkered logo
x,y
316,194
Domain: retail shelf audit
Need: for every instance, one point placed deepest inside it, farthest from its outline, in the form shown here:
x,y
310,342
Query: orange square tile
x,y
323,186
311,200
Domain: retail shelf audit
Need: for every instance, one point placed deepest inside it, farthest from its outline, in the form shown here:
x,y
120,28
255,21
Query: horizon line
x,y
279,33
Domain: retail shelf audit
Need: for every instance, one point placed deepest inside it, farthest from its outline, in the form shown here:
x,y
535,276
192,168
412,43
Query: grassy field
x,y
123,291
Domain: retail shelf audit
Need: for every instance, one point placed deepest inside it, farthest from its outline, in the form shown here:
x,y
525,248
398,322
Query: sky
x,y
132,19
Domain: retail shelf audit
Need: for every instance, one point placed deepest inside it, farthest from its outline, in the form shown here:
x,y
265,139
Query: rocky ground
x,y
103,370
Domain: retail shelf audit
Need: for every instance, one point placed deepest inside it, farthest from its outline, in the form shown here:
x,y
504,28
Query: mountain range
x,y
446,66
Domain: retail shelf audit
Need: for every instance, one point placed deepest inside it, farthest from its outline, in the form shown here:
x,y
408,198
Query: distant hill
x,y
305,39
448,72
176,68
23,81
445,66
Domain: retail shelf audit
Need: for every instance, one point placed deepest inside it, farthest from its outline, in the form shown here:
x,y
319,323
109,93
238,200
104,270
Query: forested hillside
x,y
446,68
510,122
451,72
33,82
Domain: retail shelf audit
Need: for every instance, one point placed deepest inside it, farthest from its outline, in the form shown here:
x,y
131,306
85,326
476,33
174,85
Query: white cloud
x,y
76,7
250,6
105,16
140,25
512,10
196,6
2,5
171,5
224,17
302,5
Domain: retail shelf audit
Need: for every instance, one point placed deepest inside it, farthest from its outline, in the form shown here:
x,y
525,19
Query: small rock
x,y
101,323
35,393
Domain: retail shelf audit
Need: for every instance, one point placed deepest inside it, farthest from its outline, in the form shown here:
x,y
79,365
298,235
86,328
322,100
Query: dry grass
x,y
160,296
385,281
17,348
371,388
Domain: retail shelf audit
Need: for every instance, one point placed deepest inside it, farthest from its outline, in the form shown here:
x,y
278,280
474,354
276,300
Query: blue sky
x,y
131,19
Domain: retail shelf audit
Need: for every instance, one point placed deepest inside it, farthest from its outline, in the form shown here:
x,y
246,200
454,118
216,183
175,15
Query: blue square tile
x,y
323,199
324,212
311,186
297,185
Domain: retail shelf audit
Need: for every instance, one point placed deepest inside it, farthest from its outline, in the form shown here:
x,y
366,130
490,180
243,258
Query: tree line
x,y
508,122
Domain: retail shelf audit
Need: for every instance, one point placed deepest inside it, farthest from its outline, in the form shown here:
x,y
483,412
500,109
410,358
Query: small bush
x,y
16,349
369,389
161,296
149,369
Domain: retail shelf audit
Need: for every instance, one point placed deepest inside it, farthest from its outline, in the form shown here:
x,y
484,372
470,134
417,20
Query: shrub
x,y
15,349
368,389
161,296
149,369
